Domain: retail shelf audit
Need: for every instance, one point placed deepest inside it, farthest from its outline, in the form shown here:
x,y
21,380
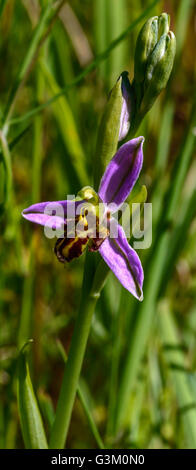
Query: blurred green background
x,y
51,155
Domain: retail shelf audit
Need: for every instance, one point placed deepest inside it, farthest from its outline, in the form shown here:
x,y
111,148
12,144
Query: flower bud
x,y
158,69
148,37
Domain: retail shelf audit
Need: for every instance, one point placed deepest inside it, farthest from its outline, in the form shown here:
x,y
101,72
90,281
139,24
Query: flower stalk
x,y
75,357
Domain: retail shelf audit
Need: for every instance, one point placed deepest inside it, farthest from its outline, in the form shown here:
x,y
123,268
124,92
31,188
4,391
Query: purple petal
x,y
126,106
53,222
124,262
122,172
54,213
41,206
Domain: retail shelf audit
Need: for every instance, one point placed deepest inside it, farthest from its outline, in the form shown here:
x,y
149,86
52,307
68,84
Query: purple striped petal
x,y
122,172
53,222
41,206
54,213
126,106
124,262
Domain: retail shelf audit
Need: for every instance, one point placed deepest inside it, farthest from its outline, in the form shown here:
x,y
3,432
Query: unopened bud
x,y
158,69
148,37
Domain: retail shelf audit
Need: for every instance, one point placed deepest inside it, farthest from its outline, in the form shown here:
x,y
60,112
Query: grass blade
x,y
84,404
183,391
65,119
183,16
100,27
30,417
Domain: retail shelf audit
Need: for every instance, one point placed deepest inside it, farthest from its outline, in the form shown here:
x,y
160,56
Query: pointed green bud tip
x,y
145,44
163,24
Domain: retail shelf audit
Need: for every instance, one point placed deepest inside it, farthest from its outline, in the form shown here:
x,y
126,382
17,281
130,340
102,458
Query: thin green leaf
x,y
117,22
84,404
47,409
183,17
30,417
65,119
179,375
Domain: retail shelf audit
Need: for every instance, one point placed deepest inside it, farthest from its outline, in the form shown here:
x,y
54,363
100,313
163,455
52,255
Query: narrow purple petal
x,y
53,222
41,206
54,213
122,172
126,106
124,262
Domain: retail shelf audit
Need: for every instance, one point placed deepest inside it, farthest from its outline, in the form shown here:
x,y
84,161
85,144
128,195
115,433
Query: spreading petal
x,y
53,222
54,213
40,207
122,173
124,262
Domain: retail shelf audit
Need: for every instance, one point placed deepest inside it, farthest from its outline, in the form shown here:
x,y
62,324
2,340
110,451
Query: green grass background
x,y
138,382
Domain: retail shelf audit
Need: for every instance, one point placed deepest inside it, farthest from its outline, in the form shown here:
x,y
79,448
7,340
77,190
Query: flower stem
x,y
75,358
84,403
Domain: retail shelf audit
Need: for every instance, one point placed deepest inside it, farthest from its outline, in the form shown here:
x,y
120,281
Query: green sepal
x,y
108,133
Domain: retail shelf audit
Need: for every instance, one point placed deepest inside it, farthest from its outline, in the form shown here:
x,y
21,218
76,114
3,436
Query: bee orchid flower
x,y
116,184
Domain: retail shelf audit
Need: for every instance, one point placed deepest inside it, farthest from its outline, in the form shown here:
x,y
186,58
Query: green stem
x,y
75,359
84,404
